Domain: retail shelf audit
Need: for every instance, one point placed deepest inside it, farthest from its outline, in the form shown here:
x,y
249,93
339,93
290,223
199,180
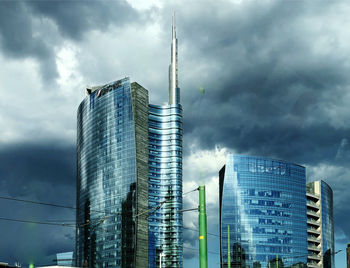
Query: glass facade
x,y
263,202
165,185
327,225
129,176
112,176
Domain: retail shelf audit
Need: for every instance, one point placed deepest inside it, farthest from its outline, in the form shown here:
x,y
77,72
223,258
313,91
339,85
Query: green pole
x,y
228,248
277,259
203,258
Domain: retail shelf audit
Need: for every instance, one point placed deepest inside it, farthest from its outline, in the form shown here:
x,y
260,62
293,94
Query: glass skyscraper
x,y
129,176
165,185
320,224
263,204
165,174
112,176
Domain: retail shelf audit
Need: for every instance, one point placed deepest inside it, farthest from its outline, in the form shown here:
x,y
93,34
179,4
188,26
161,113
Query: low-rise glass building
x,y
263,204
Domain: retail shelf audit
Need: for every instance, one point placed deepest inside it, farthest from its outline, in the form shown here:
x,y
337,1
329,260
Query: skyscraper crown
x,y
174,90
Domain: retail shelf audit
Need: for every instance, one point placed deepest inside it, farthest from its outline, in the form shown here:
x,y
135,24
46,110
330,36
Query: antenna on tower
x,y
174,90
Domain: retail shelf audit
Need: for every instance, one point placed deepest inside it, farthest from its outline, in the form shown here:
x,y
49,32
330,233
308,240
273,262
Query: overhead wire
x,y
99,221
197,249
37,222
66,206
105,230
196,230
191,191
45,204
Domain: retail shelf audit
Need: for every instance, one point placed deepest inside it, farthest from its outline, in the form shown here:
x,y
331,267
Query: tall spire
x,y
174,27
174,90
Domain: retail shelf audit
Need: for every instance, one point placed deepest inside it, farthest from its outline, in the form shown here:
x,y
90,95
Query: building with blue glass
x,y
263,205
129,176
112,176
320,224
165,174
165,185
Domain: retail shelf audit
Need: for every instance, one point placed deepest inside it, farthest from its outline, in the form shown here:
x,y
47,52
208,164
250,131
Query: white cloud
x,y
143,5
138,52
34,111
336,176
202,167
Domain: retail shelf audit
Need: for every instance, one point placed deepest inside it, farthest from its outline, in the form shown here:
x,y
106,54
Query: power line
x,y
36,202
195,230
37,222
105,230
75,208
197,249
289,257
44,204
191,191
66,224
73,223
70,207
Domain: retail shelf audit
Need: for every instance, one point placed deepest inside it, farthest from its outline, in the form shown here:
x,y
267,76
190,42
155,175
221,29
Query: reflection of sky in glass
x,y
263,201
106,175
165,184
243,217
327,220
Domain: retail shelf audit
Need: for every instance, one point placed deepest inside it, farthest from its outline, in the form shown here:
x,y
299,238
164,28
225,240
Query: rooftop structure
x,y
174,90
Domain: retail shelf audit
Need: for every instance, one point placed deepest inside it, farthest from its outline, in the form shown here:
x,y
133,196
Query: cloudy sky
x,y
276,81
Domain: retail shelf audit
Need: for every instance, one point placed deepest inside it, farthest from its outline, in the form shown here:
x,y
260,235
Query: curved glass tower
x,y
112,176
165,185
165,173
262,203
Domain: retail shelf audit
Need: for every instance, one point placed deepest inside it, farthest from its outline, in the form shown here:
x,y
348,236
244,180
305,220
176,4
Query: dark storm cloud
x,y
337,177
26,32
17,38
74,18
268,91
41,172
25,167
341,219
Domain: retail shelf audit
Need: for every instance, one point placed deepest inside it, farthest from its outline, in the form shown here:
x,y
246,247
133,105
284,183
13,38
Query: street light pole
x,y
202,229
228,247
161,255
